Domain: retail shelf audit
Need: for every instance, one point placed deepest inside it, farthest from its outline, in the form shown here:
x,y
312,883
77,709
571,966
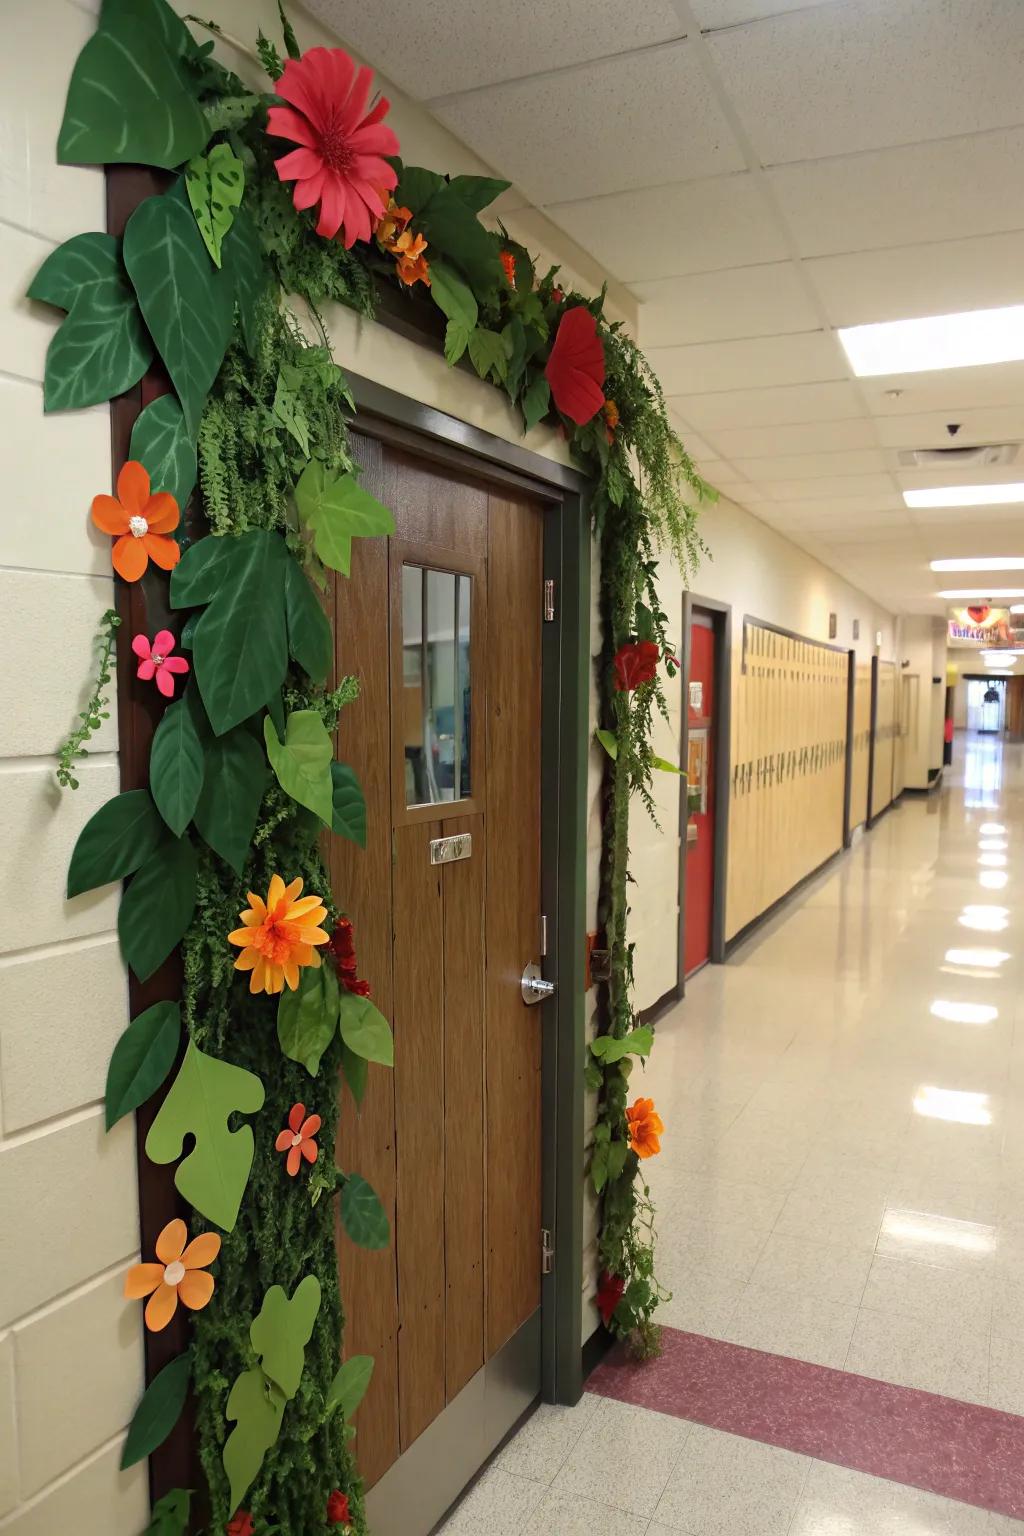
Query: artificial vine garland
x,y
222,850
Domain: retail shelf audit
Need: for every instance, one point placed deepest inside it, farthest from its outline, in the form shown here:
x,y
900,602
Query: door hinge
x,y
549,601
547,1253
543,935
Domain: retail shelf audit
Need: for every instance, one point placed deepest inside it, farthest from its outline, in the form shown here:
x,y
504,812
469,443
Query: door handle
x,y
533,986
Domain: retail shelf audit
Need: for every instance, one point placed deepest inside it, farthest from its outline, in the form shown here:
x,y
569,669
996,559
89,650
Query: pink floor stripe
x,y
960,1450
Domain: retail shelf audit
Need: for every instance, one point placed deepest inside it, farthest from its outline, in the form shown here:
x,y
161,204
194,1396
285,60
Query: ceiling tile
x,y
641,119
993,425
822,489
764,360
455,45
807,466
837,79
712,15
932,479
807,437
717,306
896,197
770,407
954,390
849,507
939,279
701,226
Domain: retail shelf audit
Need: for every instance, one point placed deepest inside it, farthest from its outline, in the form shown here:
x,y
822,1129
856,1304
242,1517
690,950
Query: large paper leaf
x,y
158,1411
161,441
102,348
365,1030
171,1514
476,192
637,1042
348,818
348,1388
281,1331
214,1174
115,842
142,1059
452,295
362,1215
246,264
235,777
310,640
355,1070
256,1408
336,510
307,1016
186,303
302,762
130,98
176,761
240,645
214,183
157,907
535,402
452,230
487,354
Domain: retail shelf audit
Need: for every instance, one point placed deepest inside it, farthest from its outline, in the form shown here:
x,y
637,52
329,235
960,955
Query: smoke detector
x,y
987,456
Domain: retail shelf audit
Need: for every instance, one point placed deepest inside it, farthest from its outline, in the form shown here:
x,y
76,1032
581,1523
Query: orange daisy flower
x,y
412,266
139,522
297,1140
179,1276
277,936
644,1128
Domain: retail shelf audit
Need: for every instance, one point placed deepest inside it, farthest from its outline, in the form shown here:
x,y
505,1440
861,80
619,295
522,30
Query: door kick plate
x,y
448,850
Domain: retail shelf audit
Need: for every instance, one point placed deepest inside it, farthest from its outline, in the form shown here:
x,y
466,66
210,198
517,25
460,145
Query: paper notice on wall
x,y
697,698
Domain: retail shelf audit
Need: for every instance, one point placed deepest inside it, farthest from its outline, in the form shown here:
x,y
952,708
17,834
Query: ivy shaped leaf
x,y
171,1514
234,780
365,1030
488,355
637,1042
102,348
161,441
281,1331
302,762
288,407
362,1215
142,1059
336,510
215,1173
255,1407
349,1386
307,1016
215,183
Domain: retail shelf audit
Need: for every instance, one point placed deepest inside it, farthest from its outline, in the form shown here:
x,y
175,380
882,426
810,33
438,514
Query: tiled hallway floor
x,y
841,1181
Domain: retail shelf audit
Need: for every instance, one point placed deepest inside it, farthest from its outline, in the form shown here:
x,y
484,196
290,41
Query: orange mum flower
x,y
412,265
139,522
277,936
393,222
180,1275
297,1140
644,1128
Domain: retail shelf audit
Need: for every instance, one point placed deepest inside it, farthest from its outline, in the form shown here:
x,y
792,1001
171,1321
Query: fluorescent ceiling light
x,y
964,340
958,593
965,1013
969,496
990,563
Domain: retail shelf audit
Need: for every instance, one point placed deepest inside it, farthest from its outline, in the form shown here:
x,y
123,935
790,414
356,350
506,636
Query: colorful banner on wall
x,y
982,626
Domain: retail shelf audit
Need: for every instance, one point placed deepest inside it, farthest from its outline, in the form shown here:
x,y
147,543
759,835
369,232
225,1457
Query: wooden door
x,y
701,707
441,624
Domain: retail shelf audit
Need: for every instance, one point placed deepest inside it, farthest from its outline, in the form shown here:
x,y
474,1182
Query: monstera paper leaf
x,y
255,1407
214,1174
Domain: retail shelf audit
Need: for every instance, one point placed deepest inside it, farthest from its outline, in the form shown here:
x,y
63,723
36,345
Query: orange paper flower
x,y
394,221
139,522
297,1140
508,262
644,1128
411,265
277,936
180,1275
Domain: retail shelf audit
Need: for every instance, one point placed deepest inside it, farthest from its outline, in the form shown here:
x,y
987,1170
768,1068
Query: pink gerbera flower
x,y
156,661
340,163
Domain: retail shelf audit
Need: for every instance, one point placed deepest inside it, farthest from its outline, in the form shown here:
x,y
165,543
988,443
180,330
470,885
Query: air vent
x,y
984,457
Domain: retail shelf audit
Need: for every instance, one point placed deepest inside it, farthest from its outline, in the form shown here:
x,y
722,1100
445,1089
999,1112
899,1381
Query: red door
x,y
700,831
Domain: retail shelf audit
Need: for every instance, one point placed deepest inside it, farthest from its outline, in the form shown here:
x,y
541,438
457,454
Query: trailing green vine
x,y
96,711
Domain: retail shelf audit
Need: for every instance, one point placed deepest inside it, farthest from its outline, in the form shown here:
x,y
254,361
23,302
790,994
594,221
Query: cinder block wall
x,y
70,1348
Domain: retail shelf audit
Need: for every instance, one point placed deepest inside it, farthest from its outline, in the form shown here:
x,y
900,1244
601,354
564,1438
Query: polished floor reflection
x,y
841,1182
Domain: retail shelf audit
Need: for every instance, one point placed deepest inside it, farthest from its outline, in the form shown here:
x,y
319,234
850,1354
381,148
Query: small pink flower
x,y
156,661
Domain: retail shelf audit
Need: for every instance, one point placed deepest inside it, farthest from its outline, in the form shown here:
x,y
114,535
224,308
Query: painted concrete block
x,y
25,326
96,1500
8,1432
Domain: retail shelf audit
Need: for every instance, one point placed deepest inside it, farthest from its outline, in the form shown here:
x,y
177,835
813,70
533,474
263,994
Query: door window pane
x,y
435,715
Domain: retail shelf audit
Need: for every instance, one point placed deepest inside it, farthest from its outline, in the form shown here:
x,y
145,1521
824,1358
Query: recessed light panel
x,y
959,594
964,340
968,496
984,563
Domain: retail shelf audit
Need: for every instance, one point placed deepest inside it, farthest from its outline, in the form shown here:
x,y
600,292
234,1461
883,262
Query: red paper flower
x,y
156,661
508,261
338,1512
610,1289
242,1525
343,948
340,161
298,1140
575,369
635,662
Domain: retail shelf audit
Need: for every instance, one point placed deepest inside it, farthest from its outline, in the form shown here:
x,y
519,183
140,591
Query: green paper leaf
x,y
355,1070
198,575
288,406
176,762
593,1078
215,1173
130,99
336,510
456,340
608,741
453,296
161,442
617,1152
186,303
214,183
599,1166
453,231
281,1331
235,778
349,1386
476,192
637,1042
302,762
158,1411
102,348
664,766
142,1059
310,639
535,402
157,907
487,354
416,186
365,1030
115,842
246,264
362,1215
308,1016
516,348
349,805
256,1407
171,1514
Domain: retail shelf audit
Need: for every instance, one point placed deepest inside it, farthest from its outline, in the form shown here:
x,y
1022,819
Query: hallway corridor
x,y
841,1182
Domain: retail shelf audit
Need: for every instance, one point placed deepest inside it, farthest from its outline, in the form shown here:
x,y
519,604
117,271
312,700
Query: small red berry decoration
x,y
338,1512
343,948
241,1525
